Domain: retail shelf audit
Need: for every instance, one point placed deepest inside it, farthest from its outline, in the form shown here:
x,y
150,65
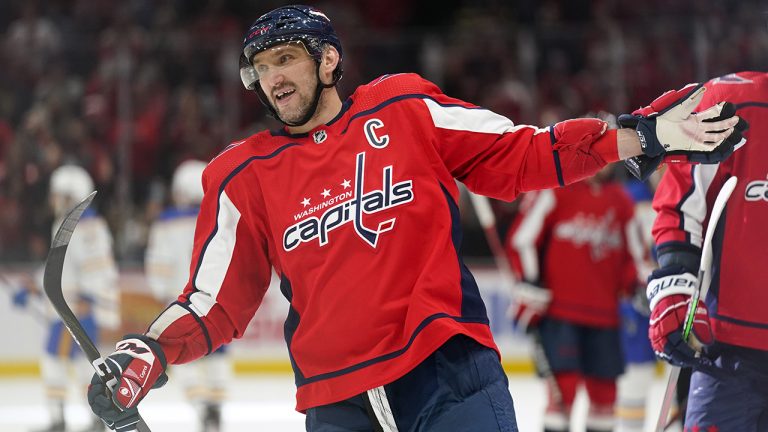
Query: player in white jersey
x,y
89,283
168,255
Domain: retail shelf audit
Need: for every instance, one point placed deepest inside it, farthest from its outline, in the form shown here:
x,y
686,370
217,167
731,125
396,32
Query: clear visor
x,y
274,60
248,74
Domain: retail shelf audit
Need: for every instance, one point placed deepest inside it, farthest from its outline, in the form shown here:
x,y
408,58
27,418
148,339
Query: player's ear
x,y
328,62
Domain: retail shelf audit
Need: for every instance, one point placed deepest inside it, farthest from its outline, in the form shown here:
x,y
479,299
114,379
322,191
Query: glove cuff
x,y
672,257
641,167
157,350
661,286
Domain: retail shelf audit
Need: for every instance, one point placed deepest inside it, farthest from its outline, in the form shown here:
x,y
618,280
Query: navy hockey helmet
x,y
288,24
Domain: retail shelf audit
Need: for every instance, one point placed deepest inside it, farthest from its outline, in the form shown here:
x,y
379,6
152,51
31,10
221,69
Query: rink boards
x,y
261,350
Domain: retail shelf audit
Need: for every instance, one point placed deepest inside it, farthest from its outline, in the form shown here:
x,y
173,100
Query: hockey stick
x,y
705,279
487,219
54,266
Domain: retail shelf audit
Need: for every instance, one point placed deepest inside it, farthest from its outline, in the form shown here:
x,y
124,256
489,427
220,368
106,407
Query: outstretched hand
x,y
669,130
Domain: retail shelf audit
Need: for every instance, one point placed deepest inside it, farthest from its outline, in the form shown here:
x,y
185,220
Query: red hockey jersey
x,y
359,218
684,198
575,241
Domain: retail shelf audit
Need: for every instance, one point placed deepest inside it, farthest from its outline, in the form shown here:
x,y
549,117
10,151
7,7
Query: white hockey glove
x,y
668,128
529,303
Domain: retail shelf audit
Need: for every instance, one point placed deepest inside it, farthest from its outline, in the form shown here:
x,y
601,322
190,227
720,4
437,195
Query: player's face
x,y
287,75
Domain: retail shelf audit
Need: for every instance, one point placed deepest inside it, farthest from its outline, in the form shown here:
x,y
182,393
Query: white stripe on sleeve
x,y
168,317
216,256
524,239
694,208
471,119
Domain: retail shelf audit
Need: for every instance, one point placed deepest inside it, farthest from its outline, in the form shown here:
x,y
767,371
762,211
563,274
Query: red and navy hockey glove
x,y
669,130
669,293
529,303
138,365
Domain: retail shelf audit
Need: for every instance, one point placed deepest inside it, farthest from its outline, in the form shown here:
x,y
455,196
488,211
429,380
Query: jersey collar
x,y
284,131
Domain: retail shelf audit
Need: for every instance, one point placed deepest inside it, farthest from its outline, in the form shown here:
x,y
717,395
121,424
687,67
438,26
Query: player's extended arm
x,y
506,159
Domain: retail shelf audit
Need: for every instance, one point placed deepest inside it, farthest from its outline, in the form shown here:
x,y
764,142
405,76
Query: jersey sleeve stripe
x,y
227,240
217,255
556,156
453,116
693,208
171,317
464,119
524,239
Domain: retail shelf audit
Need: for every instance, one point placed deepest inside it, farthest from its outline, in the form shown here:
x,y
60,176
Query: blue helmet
x,y
288,24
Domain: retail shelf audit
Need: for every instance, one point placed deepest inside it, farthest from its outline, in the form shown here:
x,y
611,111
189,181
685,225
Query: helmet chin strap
x,y
313,107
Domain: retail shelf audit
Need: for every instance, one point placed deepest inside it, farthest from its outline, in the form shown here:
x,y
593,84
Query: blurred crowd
x,y
129,89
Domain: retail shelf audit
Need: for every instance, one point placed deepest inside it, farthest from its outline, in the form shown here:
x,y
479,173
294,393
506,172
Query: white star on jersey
x,y
305,202
326,193
346,184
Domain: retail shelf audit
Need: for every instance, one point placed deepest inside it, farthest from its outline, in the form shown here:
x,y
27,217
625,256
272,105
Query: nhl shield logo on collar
x,y
319,136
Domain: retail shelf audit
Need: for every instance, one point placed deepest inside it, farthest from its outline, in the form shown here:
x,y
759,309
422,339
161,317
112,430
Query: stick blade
x,y
64,233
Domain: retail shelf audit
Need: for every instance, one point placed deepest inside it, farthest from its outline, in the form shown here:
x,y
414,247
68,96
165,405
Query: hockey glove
x,y
529,304
138,365
668,129
669,293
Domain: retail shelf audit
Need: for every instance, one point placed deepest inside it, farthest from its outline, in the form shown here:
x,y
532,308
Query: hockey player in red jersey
x,y
571,248
354,205
729,385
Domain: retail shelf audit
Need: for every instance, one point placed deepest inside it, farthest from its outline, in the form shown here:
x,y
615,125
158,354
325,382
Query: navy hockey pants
x,y
592,351
735,397
461,387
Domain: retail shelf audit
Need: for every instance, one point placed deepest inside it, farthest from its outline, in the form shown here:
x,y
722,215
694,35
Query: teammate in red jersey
x,y
729,385
354,205
572,248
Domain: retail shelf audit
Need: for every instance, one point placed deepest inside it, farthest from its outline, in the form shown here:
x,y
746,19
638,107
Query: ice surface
x,y
255,403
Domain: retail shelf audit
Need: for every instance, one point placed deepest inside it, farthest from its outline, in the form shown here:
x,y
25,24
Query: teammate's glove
x,y
138,365
528,305
668,129
669,293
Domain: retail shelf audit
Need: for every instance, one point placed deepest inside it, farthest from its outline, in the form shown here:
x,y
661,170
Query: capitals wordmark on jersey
x,y
352,210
